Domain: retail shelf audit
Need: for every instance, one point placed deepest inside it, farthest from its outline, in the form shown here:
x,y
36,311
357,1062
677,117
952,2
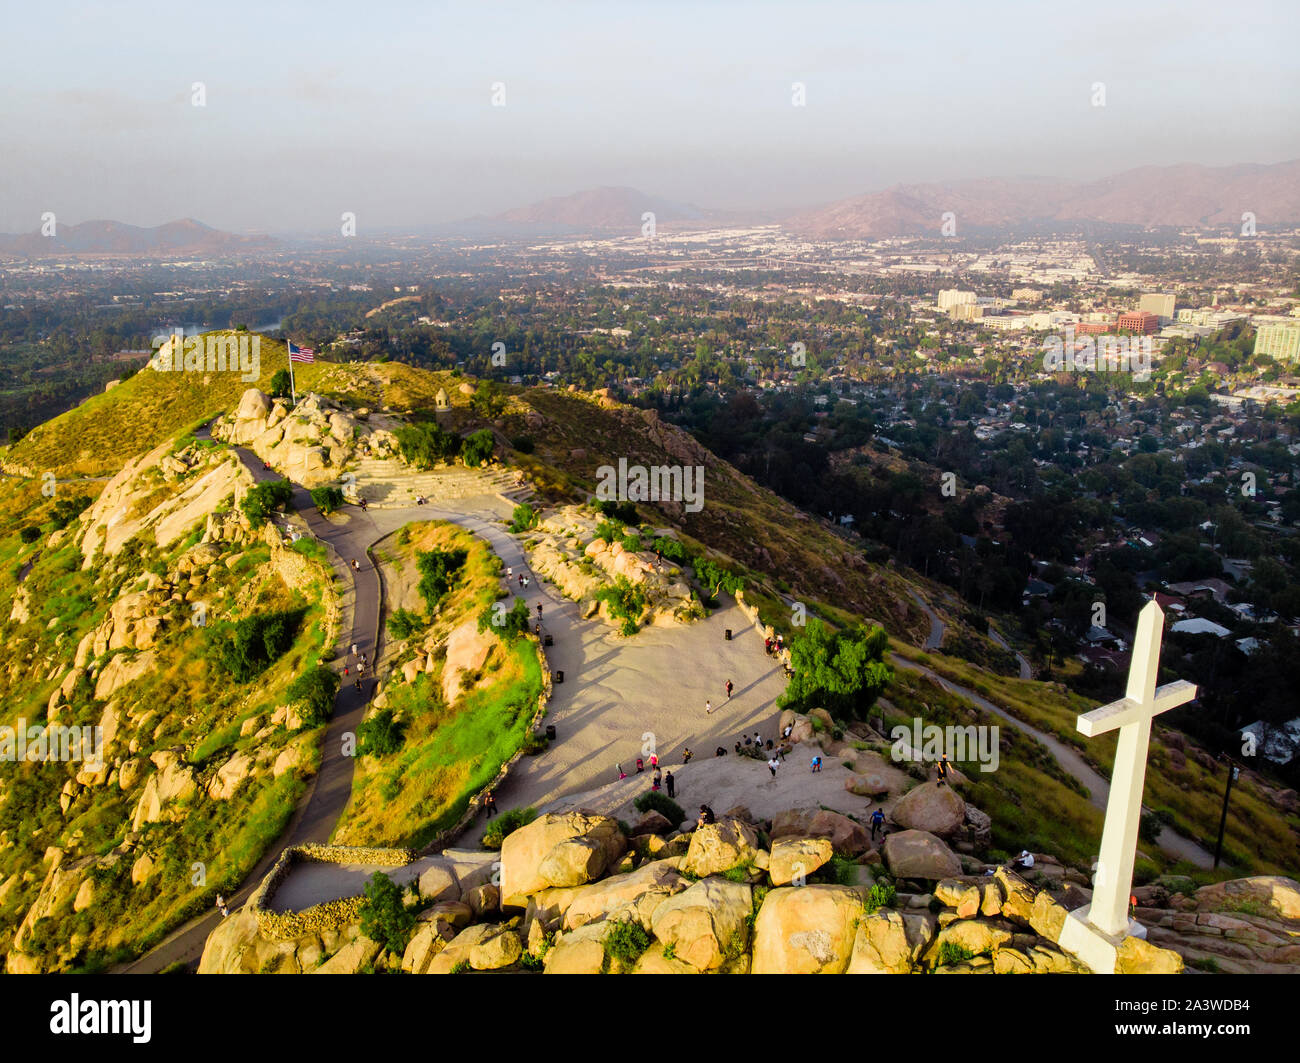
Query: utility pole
x,y
1233,772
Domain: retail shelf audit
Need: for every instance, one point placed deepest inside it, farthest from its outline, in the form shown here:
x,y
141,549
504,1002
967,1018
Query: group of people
x,y
774,646
658,778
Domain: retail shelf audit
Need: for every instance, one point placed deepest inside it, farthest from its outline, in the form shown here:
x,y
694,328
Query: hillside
x,y
159,614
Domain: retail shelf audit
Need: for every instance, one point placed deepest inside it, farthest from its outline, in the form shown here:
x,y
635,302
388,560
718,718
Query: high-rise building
x,y
1280,341
1161,304
1139,321
949,297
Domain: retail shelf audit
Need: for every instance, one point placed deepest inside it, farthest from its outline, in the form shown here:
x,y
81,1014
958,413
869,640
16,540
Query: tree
x,y
842,672
380,735
281,383
523,518
384,915
326,499
438,569
478,448
315,689
263,499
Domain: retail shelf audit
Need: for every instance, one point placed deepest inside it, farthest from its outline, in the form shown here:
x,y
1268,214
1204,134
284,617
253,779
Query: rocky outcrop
x,y
806,930
930,807
919,854
557,849
718,847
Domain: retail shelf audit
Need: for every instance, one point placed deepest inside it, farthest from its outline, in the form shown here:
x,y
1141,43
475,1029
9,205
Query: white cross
x,y
1132,716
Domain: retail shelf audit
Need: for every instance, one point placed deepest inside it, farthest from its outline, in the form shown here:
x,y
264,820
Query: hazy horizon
x,y
312,110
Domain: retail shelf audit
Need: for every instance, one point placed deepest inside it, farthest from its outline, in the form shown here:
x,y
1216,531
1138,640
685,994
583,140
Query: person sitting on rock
x,y
1024,861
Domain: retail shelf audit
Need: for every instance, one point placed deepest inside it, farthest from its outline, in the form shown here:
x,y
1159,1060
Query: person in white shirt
x,y
1024,861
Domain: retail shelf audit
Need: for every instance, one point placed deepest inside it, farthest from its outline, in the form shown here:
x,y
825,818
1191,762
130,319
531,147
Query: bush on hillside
x,y
665,806
404,623
315,689
380,735
438,571
841,671
385,918
264,499
478,448
504,824
248,646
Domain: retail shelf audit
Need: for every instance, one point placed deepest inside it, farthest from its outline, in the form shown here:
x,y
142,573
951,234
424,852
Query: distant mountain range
x,y
605,211
185,237
1185,195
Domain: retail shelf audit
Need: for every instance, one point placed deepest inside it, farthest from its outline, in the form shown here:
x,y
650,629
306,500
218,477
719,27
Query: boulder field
x,y
577,892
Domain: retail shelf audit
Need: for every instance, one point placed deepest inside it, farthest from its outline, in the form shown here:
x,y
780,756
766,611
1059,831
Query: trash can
x,y
548,641
728,634
550,732
559,677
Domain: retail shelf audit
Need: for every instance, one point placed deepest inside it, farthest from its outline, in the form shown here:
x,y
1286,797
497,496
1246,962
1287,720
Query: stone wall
x,y
332,915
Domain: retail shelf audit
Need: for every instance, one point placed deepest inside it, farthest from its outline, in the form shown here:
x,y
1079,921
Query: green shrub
x,y
248,646
620,511
404,623
625,942
327,499
950,952
316,689
438,570
30,533
665,806
508,623
504,824
380,735
632,542
626,602
881,896
478,448
523,444
264,499
384,916
523,518
281,383
425,445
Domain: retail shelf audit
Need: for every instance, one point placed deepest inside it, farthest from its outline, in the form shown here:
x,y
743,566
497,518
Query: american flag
x,y
301,354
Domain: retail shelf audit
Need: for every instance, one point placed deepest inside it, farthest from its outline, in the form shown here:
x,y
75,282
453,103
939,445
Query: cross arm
x,y
1125,711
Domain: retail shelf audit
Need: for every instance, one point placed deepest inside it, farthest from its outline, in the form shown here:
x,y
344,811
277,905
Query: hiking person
x,y
943,769
737,747
720,751
772,765
510,572
877,822
758,739
789,728
521,580
747,739
656,779
354,649
729,688
490,803
640,766
817,762
539,610
686,756
708,708
671,783
621,773
654,760
357,683
706,816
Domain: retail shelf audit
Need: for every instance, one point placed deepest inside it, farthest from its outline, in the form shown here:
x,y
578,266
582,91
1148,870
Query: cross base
x,y
1097,949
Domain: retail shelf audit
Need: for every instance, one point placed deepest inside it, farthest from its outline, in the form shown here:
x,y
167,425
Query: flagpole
x,y
293,388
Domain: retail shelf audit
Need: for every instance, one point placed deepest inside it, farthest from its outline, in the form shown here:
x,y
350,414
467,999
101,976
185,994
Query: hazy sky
x,y
385,109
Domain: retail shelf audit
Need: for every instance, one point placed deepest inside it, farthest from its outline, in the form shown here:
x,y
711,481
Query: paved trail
x,y
1179,846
